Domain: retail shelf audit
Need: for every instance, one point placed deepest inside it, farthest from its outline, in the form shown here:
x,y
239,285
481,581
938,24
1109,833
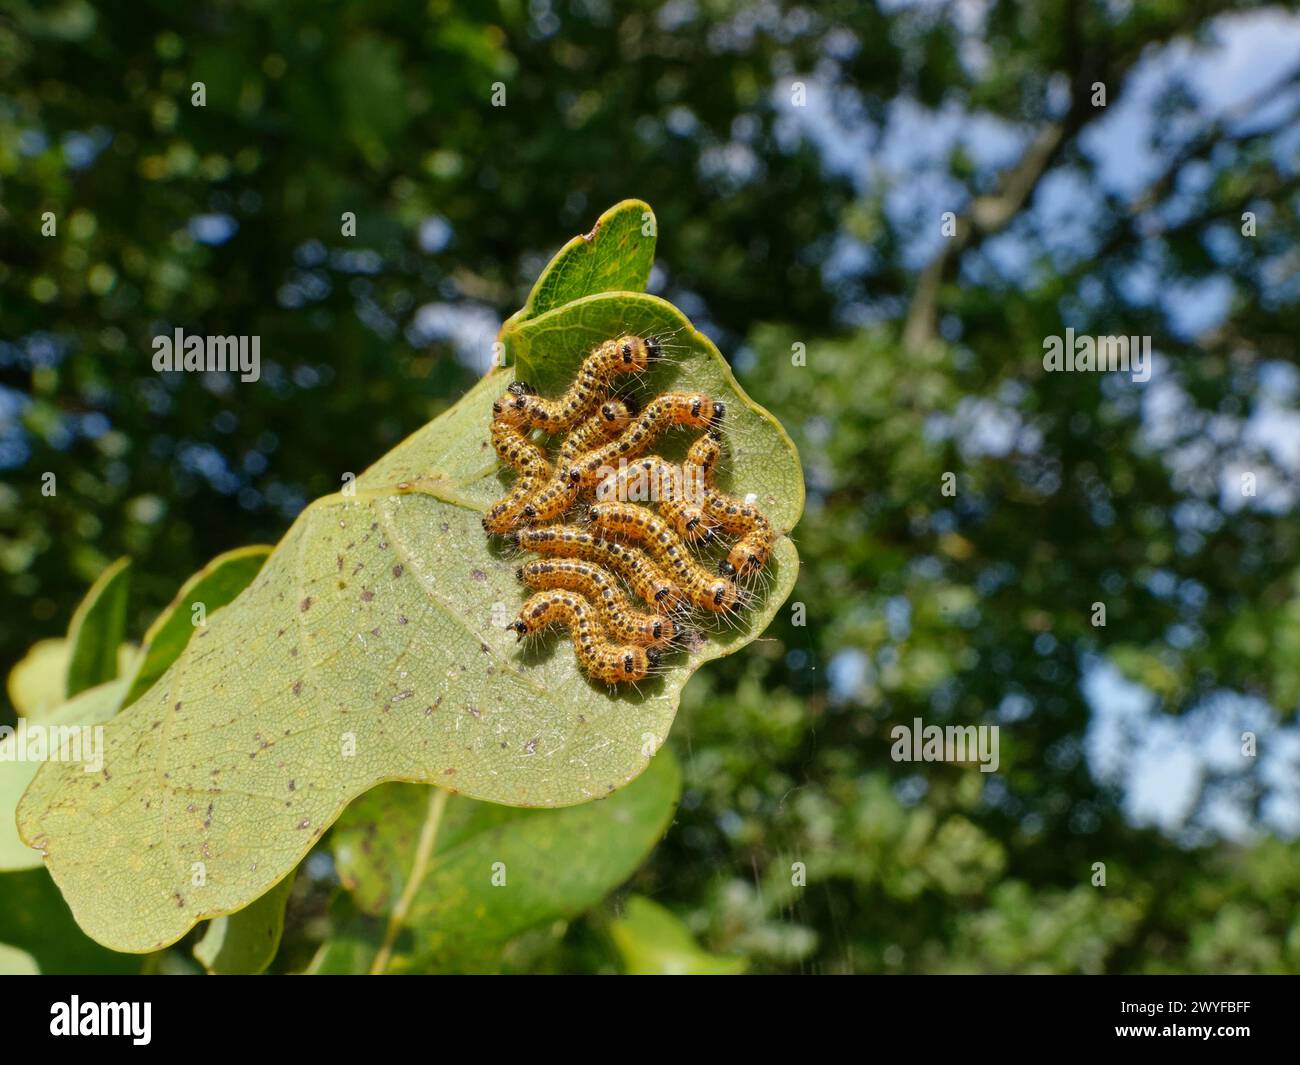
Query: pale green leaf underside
x,y
90,708
215,585
366,650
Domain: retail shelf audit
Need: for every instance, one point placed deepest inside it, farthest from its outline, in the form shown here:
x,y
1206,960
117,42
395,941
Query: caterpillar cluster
x,y
578,582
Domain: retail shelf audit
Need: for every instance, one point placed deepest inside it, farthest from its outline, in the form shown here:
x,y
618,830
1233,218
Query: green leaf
x,y
370,647
34,918
354,941
219,582
246,941
98,627
547,864
616,256
653,942
90,708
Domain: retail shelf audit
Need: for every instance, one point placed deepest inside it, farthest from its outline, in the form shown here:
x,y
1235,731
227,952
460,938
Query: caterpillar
x,y
671,408
598,585
750,553
648,581
560,491
676,491
610,419
514,448
506,513
609,662
626,354
718,594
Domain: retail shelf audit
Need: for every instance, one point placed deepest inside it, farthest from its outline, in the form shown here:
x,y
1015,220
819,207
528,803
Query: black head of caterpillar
x,y
511,408
749,554
689,520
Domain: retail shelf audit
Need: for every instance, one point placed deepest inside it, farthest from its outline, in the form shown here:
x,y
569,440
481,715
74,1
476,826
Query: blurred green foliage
x,y
971,608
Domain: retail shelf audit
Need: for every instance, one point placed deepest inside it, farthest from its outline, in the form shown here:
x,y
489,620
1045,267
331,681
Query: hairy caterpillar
x,y
515,449
671,408
718,594
560,491
612,663
598,585
750,553
675,490
648,581
627,354
505,514
610,419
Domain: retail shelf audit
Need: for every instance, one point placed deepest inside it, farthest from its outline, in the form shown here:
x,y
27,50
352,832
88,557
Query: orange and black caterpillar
x,y
750,553
718,594
675,490
529,459
610,662
559,493
648,581
514,448
671,408
610,419
627,354
598,585
507,513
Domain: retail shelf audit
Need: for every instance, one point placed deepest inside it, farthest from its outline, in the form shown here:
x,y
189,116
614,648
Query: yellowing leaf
x,y
15,962
38,683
